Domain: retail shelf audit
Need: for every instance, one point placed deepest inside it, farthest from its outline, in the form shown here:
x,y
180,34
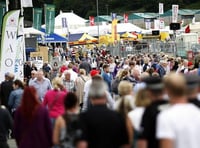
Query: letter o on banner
x,y
9,62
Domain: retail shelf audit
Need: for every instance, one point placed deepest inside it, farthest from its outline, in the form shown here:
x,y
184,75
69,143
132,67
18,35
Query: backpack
x,y
73,131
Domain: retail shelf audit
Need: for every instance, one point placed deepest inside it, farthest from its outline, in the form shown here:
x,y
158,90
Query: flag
x,y
20,52
26,3
114,16
125,18
2,11
193,20
114,30
9,42
49,18
7,3
161,10
91,18
37,18
187,29
65,28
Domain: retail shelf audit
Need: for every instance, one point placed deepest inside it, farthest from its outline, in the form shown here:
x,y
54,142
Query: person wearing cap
x,y
190,66
147,131
178,125
102,127
193,88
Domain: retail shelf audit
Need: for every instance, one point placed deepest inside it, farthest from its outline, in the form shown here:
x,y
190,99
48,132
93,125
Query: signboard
x,y
148,25
162,24
156,24
37,59
161,8
174,13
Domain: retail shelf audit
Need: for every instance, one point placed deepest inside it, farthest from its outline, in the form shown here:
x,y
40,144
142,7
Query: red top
x,y
54,100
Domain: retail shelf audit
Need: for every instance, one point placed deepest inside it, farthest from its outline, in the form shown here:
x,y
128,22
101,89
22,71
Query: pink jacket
x,y
54,100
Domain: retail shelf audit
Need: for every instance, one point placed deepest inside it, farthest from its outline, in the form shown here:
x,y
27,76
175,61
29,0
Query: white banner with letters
x,y
9,42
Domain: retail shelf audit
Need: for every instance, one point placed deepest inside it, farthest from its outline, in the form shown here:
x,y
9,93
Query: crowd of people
x,y
104,101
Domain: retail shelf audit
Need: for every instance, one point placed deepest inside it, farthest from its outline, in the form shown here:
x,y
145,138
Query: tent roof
x,y
52,38
31,30
107,18
142,15
104,29
80,37
73,21
75,37
182,12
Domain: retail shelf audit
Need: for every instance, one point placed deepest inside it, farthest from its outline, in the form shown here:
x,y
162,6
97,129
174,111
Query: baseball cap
x,y
190,63
94,72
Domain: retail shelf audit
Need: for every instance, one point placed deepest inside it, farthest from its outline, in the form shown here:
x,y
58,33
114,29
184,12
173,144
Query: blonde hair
x,y
82,71
141,98
125,88
57,83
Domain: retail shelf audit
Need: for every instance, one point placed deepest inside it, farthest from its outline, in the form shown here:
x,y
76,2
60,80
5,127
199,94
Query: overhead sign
x,y
161,8
175,13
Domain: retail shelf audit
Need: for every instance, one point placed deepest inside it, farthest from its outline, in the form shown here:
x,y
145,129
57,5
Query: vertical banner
x,y
20,52
2,11
148,25
114,16
161,9
114,30
162,23
114,27
65,29
37,18
49,18
9,42
125,18
156,24
26,3
174,13
91,18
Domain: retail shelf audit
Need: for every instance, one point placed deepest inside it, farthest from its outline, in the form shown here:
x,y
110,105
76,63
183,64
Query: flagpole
x,y
7,3
97,3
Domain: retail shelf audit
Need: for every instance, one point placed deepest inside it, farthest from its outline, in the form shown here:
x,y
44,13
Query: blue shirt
x,y
42,87
15,98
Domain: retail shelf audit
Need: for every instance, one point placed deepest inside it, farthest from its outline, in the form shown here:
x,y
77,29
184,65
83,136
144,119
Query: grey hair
x,y
97,89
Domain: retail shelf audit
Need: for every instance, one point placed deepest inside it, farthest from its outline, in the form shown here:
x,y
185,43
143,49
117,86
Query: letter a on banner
x,y
8,42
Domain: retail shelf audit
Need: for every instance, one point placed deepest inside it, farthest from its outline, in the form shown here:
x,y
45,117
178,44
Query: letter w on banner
x,y
9,42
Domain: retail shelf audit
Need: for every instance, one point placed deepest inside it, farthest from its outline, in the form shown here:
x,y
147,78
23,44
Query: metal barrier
x,y
172,48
